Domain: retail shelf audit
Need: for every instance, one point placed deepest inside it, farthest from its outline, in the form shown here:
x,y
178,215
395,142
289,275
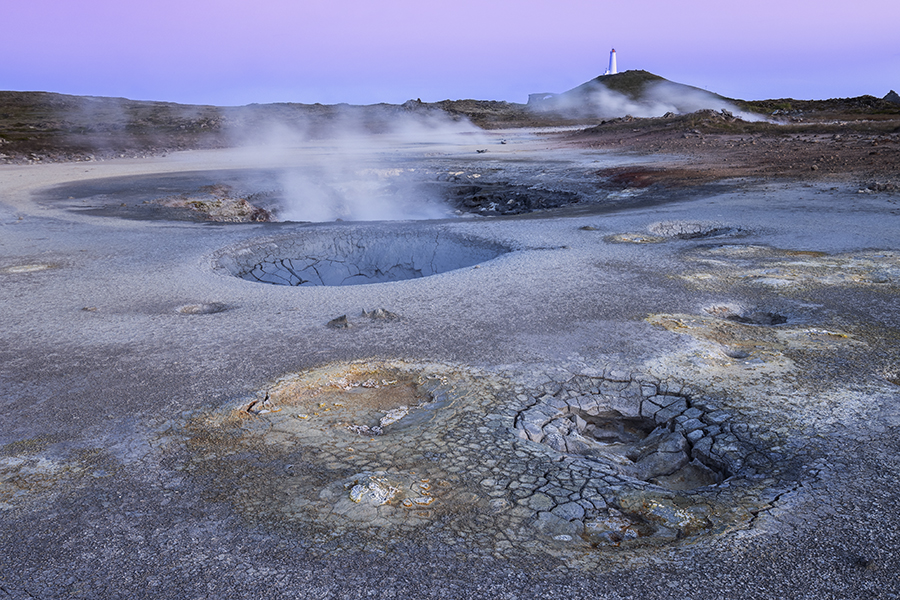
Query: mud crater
x,y
362,455
668,438
755,316
504,198
664,231
355,256
692,230
356,448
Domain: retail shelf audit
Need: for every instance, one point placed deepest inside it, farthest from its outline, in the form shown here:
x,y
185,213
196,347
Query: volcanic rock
x,y
340,322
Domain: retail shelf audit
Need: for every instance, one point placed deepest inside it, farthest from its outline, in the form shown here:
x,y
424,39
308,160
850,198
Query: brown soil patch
x,y
716,146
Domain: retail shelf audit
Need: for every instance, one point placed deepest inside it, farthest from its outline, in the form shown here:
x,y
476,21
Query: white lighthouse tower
x,y
612,63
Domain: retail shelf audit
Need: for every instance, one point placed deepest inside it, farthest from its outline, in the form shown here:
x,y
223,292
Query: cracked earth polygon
x,y
364,455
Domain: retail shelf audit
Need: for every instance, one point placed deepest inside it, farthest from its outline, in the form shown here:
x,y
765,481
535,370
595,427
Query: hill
x,y
636,93
632,84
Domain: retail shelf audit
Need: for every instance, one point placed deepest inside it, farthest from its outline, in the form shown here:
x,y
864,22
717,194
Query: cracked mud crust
x,y
362,454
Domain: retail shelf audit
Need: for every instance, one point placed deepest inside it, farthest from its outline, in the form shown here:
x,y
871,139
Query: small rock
x,y
692,425
694,436
716,418
339,323
381,315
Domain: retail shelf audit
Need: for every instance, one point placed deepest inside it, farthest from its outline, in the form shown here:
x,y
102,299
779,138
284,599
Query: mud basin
x,y
356,256
362,455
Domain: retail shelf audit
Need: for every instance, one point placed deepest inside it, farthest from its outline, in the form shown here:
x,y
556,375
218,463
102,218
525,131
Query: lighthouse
x,y
612,63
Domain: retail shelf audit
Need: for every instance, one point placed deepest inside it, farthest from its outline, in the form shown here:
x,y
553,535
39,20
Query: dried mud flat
x,y
683,384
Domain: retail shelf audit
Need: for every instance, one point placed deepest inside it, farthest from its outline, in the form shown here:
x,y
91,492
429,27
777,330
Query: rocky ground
x,y
812,145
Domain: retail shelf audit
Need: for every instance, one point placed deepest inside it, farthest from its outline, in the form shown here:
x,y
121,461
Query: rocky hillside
x,y
47,126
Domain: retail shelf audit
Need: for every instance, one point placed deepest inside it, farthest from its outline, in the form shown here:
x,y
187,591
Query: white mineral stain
x,y
373,490
27,268
395,415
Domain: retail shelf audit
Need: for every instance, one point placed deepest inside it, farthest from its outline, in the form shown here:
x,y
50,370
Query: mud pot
x,y
365,455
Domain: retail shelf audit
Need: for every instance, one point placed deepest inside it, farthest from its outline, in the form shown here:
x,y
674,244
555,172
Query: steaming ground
x,y
151,444
358,177
351,175
595,100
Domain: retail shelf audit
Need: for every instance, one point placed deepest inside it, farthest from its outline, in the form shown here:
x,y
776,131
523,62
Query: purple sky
x,y
236,52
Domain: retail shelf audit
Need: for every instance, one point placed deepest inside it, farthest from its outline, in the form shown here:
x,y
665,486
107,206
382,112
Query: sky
x,y
230,52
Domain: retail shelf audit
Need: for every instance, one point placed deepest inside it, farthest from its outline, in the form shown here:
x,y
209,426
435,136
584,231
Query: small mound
x,y
208,308
690,230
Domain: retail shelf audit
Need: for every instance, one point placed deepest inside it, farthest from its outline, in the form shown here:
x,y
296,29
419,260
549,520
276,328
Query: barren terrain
x,y
544,357
854,140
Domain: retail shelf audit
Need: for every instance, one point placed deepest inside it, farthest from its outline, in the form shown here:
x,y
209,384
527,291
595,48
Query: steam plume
x,y
350,164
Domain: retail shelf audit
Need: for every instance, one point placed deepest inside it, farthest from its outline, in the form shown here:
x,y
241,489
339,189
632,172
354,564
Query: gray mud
x,y
690,397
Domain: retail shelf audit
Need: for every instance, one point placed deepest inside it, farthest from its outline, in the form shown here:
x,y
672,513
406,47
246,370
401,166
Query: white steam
x,y
355,165
657,99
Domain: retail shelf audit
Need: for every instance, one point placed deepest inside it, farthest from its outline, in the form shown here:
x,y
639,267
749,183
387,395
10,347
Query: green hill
x,y
634,85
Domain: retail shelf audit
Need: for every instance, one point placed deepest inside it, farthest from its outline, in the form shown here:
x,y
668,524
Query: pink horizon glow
x,y
229,52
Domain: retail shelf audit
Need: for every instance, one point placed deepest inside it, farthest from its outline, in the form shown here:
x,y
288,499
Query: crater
x,y
304,193
761,317
356,256
347,449
664,439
